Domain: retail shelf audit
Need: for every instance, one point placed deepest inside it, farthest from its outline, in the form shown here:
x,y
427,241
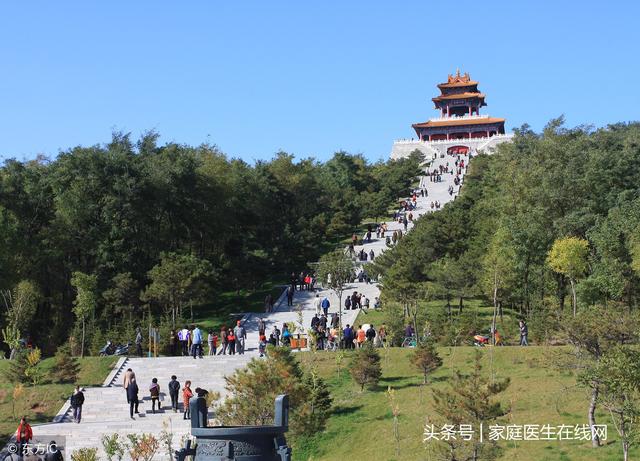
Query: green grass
x,y
42,402
227,306
539,394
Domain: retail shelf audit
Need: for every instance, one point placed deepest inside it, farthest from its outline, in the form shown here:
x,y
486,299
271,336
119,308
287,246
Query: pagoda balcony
x,y
458,117
444,141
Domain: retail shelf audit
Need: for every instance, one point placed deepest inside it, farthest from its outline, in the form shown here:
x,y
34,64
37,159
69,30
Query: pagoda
x,y
459,104
461,127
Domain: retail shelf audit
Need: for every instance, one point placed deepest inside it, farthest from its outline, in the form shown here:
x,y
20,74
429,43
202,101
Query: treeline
x,y
144,227
548,224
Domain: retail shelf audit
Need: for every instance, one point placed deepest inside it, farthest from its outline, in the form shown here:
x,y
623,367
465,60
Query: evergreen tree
x,y
365,366
66,367
471,400
426,359
312,415
16,372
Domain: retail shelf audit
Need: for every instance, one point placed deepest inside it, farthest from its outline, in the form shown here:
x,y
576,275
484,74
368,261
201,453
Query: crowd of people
x,y
190,341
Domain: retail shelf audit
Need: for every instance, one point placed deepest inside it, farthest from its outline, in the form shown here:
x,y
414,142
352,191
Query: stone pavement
x,y
106,410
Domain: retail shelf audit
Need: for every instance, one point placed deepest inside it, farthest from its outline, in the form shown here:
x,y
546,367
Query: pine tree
x,y
253,389
66,368
426,359
471,400
312,415
365,366
16,372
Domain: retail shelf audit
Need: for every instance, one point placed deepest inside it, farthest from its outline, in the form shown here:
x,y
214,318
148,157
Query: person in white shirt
x,y
318,305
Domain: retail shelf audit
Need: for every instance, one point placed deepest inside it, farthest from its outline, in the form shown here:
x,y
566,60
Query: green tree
x,y
252,390
313,413
85,302
335,271
21,304
425,358
471,399
365,366
67,367
593,332
619,374
122,296
568,256
498,264
176,281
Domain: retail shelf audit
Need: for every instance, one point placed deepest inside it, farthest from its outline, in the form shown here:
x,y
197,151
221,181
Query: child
x,y
186,397
154,392
231,341
262,346
213,342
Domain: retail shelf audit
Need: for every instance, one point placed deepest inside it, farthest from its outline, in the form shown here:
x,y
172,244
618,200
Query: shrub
x,y
85,454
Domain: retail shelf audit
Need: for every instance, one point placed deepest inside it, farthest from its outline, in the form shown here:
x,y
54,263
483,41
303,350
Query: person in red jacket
x,y
24,434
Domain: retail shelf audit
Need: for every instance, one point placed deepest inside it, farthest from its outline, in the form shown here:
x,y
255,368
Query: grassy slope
x,y
41,403
361,425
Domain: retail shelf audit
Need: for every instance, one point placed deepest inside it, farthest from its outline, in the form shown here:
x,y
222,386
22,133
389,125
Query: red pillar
x,y
470,110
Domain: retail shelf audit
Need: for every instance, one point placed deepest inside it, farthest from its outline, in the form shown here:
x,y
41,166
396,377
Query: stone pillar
x,y
487,133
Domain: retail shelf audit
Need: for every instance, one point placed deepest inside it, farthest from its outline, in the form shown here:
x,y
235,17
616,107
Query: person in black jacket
x,y
53,452
132,396
174,389
77,399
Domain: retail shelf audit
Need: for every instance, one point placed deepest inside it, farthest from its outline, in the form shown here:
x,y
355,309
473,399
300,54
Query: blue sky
x,y
309,78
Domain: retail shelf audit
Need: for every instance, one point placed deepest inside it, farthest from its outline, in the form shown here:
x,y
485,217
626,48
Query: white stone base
x,y
432,149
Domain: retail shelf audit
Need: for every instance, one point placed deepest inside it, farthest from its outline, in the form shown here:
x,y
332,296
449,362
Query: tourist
x,y
376,303
409,332
212,340
325,306
241,336
286,335
186,397
128,376
354,300
314,322
317,304
524,333
138,342
53,453
381,337
223,340
347,303
268,303
24,434
196,344
348,336
366,302
173,342
154,393
371,255
132,397
272,340
405,223
290,291
184,340
261,326
370,333
335,320
276,335
77,400
174,388
231,342
360,336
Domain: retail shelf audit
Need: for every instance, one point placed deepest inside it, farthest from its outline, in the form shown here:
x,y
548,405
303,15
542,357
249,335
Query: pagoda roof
x,y
464,95
458,80
458,122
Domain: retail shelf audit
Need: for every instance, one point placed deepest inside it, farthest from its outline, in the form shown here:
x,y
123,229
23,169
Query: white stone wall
x,y
403,148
